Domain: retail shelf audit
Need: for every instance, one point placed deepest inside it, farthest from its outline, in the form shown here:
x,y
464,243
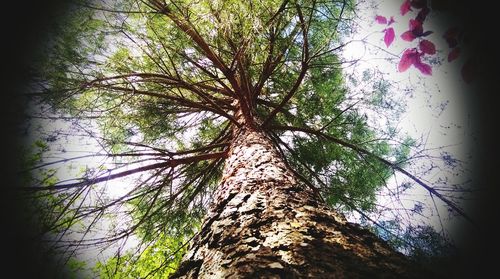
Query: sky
x,y
438,107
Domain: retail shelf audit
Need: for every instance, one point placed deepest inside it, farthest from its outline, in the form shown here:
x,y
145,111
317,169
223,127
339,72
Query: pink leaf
x,y
405,7
468,71
427,47
389,36
423,14
381,19
452,32
424,68
416,27
408,36
451,37
407,59
453,54
391,21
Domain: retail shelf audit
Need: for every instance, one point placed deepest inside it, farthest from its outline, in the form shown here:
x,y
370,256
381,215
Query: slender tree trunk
x,y
264,224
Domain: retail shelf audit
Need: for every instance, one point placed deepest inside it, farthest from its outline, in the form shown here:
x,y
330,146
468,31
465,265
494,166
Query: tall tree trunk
x,y
264,224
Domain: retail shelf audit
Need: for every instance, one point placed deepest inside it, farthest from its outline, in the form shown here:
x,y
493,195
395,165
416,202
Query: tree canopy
x,y
153,87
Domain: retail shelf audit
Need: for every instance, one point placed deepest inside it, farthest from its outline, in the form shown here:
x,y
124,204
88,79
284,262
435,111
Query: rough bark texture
x,y
264,224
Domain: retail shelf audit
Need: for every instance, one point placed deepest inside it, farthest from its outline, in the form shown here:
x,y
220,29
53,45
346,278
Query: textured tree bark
x,y
264,224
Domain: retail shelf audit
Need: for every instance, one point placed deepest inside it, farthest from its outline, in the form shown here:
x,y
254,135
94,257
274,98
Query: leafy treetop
x,y
163,82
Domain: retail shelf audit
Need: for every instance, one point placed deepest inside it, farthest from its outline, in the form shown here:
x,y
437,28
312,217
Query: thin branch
x,y
278,12
337,116
179,100
168,164
270,65
388,163
189,30
303,70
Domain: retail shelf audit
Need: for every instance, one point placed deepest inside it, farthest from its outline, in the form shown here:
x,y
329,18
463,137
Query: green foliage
x,y
74,267
48,212
157,211
160,259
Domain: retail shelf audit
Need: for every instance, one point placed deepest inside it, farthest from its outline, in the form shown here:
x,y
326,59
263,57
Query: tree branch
x,y
179,100
189,30
168,164
270,64
303,70
278,12
388,163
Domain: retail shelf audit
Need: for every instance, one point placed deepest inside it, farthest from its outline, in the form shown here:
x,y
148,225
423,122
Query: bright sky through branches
x,y
439,107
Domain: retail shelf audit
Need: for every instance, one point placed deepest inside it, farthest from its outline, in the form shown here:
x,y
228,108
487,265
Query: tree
x,y
234,112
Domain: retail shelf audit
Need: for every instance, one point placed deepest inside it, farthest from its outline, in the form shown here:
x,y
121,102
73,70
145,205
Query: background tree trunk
x,y
264,224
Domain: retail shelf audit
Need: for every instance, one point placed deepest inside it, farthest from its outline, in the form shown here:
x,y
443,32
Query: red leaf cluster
x,y
413,57
451,37
416,30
